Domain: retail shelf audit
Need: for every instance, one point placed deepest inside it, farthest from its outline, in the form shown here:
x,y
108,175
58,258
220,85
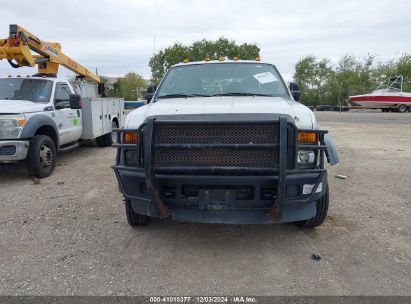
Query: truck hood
x,y
20,106
303,116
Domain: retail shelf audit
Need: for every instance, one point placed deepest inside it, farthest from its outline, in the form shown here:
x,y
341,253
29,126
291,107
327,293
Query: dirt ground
x,y
68,234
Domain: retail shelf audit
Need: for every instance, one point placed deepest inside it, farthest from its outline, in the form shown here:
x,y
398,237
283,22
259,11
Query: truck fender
x,y
36,122
331,151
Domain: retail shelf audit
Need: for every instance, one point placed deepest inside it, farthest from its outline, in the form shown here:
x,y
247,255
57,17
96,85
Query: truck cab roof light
x,y
221,58
185,60
258,58
207,58
235,58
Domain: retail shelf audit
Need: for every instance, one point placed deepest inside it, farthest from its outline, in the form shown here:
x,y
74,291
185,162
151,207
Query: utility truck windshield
x,y
36,90
222,79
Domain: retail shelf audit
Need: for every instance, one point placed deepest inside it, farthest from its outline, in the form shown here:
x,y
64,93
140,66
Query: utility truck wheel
x,y
41,156
402,108
108,139
135,219
322,209
100,141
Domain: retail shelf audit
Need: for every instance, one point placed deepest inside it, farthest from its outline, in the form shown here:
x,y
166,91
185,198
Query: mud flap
x,y
331,152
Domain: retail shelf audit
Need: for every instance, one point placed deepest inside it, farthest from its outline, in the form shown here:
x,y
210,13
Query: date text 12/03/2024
x,y
205,299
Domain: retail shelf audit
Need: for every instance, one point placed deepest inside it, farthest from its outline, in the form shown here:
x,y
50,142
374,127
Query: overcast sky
x,y
117,36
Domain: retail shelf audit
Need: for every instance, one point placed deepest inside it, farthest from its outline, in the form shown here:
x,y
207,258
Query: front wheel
x,y
135,219
41,156
322,209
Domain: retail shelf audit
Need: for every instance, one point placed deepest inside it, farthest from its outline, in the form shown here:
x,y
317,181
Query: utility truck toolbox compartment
x,y
98,115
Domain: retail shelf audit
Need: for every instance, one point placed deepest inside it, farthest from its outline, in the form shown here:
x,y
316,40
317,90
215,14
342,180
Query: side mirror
x,y
151,90
75,102
295,91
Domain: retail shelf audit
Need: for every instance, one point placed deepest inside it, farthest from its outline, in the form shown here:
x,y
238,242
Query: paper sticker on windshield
x,y
265,77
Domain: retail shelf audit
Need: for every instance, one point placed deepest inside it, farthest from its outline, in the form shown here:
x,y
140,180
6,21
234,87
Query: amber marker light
x,y
21,122
307,137
130,137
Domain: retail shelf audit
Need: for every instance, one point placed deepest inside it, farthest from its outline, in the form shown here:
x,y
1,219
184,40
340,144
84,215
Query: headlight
x,y
306,157
11,126
132,157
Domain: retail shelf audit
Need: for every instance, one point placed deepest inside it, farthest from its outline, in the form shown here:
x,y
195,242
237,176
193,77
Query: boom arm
x,y
19,43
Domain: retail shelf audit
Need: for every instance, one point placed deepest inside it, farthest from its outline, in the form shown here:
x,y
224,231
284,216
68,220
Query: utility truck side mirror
x,y
75,102
151,90
295,91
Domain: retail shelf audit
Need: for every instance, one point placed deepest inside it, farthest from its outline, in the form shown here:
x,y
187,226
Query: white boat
x,y
388,96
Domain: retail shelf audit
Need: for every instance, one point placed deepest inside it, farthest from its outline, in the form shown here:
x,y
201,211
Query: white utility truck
x,y
41,115
224,142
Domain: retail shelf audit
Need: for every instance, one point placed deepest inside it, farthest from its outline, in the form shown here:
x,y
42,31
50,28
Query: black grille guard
x,y
145,137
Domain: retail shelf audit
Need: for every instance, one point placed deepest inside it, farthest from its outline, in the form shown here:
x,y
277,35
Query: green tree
x,y
127,86
348,78
176,53
403,67
313,76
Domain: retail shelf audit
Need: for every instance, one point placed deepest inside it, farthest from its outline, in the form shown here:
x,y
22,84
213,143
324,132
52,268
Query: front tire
x,y
41,156
135,219
322,209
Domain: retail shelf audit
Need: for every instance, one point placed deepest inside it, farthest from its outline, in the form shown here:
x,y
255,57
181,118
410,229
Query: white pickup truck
x,y
224,142
40,116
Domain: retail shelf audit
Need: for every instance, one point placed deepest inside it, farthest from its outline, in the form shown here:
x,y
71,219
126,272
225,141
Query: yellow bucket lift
x,y
16,49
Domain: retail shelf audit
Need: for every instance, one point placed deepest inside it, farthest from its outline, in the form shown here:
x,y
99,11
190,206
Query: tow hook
x,y
163,208
273,213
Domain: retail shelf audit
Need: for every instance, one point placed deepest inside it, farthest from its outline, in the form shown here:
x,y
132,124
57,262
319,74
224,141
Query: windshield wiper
x,y
182,96
242,94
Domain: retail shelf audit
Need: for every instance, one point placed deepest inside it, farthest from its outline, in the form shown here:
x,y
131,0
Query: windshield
x,y
222,79
36,90
388,90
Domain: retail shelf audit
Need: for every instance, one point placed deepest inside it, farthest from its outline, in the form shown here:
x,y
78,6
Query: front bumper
x,y
227,206
13,150
217,195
